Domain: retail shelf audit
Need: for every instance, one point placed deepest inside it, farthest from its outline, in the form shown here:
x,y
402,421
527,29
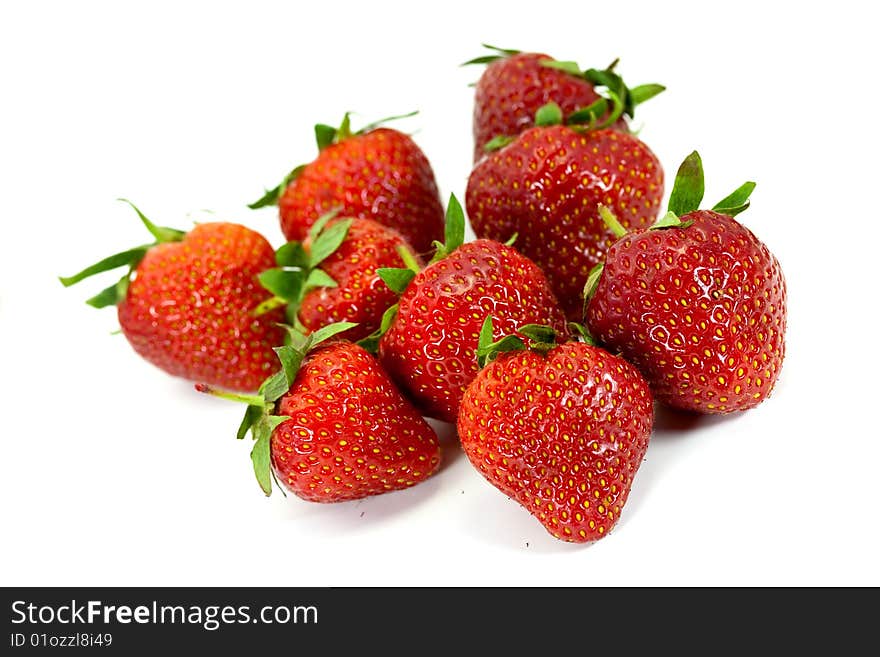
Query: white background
x,y
112,473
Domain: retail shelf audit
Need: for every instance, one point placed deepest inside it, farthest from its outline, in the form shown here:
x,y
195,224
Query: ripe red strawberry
x,y
516,84
562,429
375,173
697,303
545,187
331,276
430,347
332,427
186,303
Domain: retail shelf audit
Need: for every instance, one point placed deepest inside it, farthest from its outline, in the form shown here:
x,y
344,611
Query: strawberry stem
x,y
250,400
611,221
408,259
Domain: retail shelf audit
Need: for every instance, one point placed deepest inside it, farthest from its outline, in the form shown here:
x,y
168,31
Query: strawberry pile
x,y
547,341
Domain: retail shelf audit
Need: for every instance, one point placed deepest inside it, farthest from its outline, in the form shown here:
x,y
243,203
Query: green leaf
x,y
318,278
583,332
316,228
271,196
512,240
497,143
592,282
161,233
130,258
454,225
371,342
538,333
736,202
112,295
344,130
279,383
486,333
324,135
269,305
283,283
549,114
615,90
291,358
485,59
487,350
275,386
261,455
327,332
396,278
251,415
505,344
568,67
670,220
503,51
375,124
644,92
606,78
589,114
688,189
617,108
328,241
292,254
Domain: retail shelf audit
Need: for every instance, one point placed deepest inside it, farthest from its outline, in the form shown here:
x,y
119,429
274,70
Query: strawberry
x,y
186,303
560,428
330,426
430,347
516,84
545,187
331,276
697,303
374,173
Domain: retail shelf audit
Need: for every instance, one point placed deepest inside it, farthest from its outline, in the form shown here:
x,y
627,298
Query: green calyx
x,y
112,295
687,194
454,232
325,135
371,342
582,332
591,285
540,339
617,99
497,53
259,416
298,271
399,278
617,90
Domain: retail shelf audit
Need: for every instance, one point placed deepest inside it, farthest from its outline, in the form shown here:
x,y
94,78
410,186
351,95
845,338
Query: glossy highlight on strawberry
x,y
700,310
